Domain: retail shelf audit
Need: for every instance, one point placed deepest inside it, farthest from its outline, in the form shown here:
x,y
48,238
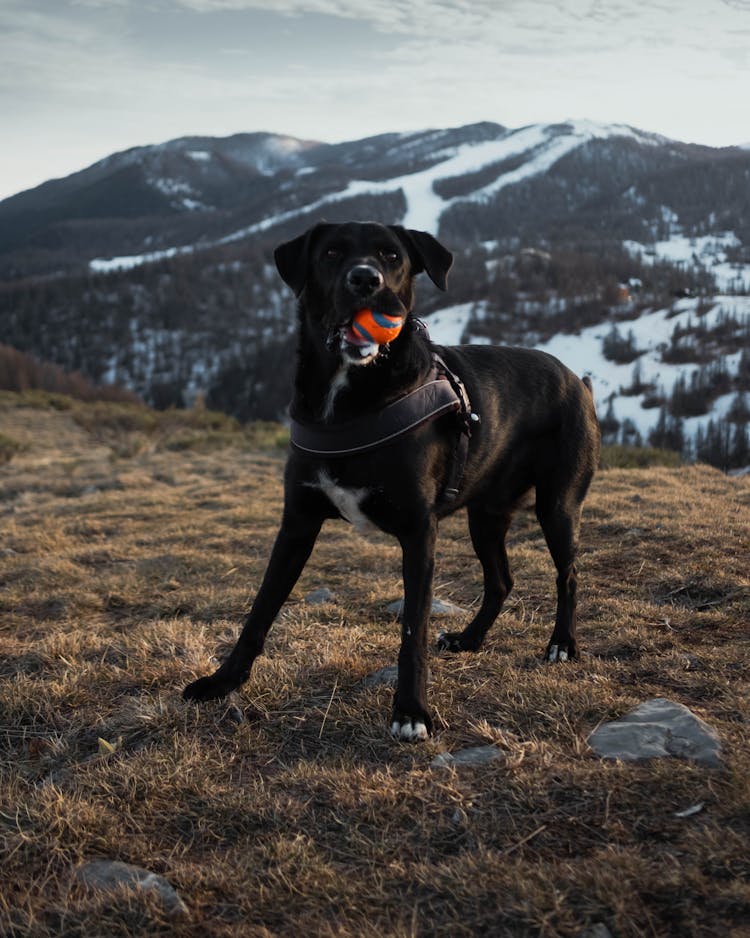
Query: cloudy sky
x,y
82,78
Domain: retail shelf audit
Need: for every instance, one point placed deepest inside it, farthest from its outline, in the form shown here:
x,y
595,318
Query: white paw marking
x,y
410,730
556,653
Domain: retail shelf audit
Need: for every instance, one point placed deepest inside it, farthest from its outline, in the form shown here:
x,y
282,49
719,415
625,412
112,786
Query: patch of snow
x,y
285,144
171,186
200,156
582,353
447,326
104,265
707,251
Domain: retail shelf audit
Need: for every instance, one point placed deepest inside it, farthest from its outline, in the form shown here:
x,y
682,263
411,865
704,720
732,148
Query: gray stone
x,y
474,755
655,729
596,931
320,596
106,875
233,714
387,675
439,608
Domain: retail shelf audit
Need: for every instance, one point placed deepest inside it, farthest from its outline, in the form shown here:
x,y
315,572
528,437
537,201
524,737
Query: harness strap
x,y
455,472
424,403
442,393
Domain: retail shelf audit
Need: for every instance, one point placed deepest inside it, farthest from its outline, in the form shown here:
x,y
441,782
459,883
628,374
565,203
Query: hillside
x,y
153,268
130,543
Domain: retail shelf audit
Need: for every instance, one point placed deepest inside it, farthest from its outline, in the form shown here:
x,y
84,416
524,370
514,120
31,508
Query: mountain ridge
x,y
220,180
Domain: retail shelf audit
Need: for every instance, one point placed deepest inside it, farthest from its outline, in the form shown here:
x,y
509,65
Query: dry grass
x,y
125,567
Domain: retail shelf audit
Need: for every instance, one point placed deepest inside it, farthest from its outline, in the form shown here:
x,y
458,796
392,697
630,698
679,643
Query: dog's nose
x,y
364,280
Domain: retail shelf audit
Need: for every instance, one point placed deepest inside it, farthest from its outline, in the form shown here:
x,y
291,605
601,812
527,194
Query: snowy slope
x,y
582,353
709,251
542,146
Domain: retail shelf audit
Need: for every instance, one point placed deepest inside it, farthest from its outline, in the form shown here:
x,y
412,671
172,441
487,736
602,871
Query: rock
x,y
596,931
439,608
474,755
233,714
320,596
387,675
655,729
106,875
7,552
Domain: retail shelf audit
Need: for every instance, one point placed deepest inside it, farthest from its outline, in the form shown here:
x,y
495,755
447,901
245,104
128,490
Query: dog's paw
x,y
206,688
410,730
454,641
562,651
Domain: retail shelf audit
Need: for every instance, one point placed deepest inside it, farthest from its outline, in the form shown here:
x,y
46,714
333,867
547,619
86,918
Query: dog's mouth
x,y
366,329
355,347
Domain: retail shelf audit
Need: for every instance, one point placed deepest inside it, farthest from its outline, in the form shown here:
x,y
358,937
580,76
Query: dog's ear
x,y
293,257
426,253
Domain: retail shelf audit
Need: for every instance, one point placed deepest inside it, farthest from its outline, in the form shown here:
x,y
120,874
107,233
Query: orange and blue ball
x,y
376,327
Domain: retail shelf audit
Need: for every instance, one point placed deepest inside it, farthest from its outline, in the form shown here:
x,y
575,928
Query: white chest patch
x,y
347,501
338,383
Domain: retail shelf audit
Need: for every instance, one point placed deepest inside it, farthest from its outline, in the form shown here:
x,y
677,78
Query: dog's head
x,y
337,270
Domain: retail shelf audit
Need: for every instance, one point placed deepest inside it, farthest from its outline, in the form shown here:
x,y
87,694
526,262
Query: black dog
x,y
418,454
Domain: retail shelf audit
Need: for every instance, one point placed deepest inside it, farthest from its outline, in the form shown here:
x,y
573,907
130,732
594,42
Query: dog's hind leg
x,y
560,521
411,720
488,533
293,546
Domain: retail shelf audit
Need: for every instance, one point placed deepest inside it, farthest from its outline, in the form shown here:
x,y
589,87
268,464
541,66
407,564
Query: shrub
x,y
8,448
619,456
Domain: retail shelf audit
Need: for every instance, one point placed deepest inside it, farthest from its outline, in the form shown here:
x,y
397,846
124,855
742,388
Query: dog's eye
x,y
332,253
390,256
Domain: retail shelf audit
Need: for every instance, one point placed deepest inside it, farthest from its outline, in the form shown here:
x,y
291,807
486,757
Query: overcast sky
x,y
80,79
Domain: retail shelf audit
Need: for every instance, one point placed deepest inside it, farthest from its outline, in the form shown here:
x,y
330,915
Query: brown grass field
x,y
130,545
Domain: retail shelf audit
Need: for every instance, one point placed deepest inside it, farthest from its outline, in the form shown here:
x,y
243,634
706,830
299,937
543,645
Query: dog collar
x,y
442,393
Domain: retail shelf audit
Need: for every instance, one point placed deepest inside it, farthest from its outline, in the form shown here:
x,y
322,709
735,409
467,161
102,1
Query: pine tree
x,y
739,456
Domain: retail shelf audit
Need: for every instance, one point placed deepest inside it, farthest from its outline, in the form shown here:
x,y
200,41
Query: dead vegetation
x,y
126,564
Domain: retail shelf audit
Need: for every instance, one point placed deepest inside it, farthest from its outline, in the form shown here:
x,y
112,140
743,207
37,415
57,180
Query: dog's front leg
x,y
293,546
411,719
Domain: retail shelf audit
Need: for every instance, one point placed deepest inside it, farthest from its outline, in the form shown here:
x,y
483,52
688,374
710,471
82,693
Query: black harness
x,y
442,393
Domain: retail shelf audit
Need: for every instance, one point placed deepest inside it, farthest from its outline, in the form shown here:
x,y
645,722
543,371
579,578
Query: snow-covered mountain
x,y
430,174
155,201
625,252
